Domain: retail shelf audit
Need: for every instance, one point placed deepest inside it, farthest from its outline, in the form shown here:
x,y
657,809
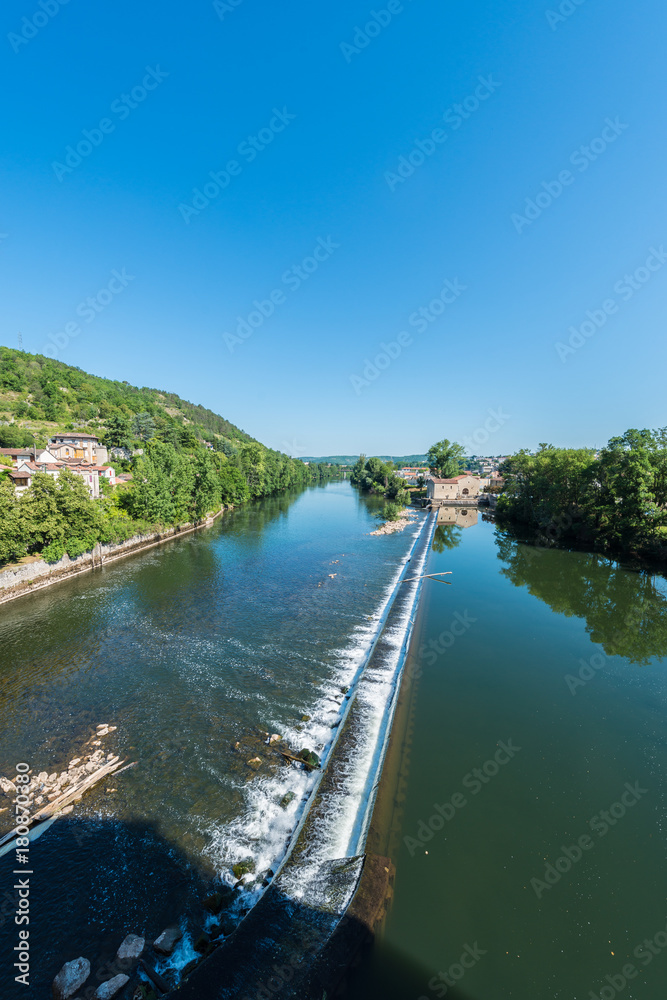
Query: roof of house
x,y
17,474
456,479
15,452
74,436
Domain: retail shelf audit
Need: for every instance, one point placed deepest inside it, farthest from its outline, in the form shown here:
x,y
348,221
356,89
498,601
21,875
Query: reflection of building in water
x,y
465,517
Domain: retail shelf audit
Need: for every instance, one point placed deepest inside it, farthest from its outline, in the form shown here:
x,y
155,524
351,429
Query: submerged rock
x,y
310,758
255,763
105,991
168,940
131,947
71,976
286,799
202,942
187,969
246,867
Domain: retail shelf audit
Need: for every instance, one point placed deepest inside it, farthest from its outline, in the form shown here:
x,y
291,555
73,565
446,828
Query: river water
x,y
536,716
259,623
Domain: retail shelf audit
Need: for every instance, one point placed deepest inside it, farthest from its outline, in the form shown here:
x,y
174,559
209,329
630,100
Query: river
x,y
536,716
260,623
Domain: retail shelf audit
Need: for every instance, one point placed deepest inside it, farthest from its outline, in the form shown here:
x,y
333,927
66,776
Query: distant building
x,y
463,487
84,447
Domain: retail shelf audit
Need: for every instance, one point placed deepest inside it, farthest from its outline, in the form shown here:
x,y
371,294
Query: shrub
x,y
54,551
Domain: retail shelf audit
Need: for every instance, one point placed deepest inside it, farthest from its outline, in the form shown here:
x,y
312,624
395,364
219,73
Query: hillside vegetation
x,y
176,477
44,396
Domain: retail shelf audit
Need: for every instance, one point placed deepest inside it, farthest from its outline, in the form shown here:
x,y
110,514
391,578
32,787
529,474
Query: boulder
x,y
71,976
105,991
187,969
167,941
8,787
213,902
246,867
286,799
274,738
255,763
202,942
131,947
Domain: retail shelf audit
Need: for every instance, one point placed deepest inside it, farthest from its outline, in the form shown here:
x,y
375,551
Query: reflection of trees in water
x,y
623,610
447,536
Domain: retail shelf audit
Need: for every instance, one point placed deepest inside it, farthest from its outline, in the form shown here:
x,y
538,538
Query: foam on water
x,y
264,830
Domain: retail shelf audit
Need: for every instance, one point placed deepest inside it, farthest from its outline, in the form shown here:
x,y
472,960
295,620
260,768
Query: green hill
x,y
41,396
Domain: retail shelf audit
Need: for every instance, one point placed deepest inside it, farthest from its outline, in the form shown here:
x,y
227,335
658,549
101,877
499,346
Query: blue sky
x,y
338,96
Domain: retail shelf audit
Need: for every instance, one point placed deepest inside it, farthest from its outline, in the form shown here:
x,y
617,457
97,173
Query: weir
x,y
328,894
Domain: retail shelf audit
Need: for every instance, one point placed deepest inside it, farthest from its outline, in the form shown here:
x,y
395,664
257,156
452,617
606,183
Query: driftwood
x,y
73,794
154,977
430,576
300,760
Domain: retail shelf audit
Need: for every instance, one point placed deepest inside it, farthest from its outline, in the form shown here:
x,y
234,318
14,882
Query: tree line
x,y
169,486
614,500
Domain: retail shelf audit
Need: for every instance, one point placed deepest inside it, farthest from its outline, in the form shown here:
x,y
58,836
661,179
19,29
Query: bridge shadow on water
x,y
92,883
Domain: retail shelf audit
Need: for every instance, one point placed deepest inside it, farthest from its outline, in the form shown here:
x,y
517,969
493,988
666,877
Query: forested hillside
x,y
176,476
43,396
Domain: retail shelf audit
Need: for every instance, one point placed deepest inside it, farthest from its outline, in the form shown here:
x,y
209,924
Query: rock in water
x,y
255,763
202,942
132,947
105,991
246,867
168,940
71,976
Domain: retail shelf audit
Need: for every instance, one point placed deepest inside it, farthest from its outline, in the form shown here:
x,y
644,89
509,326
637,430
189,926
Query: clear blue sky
x,y
339,116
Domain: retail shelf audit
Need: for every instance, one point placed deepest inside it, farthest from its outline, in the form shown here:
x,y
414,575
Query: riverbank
x,y
33,573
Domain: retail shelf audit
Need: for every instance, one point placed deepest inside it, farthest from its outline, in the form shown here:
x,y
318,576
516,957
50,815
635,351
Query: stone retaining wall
x,y
28,577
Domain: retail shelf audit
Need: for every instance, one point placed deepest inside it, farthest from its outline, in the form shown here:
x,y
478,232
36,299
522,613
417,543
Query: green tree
x,y
119,432
143,426
13,532
445,459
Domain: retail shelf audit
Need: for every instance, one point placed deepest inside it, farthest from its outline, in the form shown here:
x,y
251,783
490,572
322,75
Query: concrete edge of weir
x,y
288,947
